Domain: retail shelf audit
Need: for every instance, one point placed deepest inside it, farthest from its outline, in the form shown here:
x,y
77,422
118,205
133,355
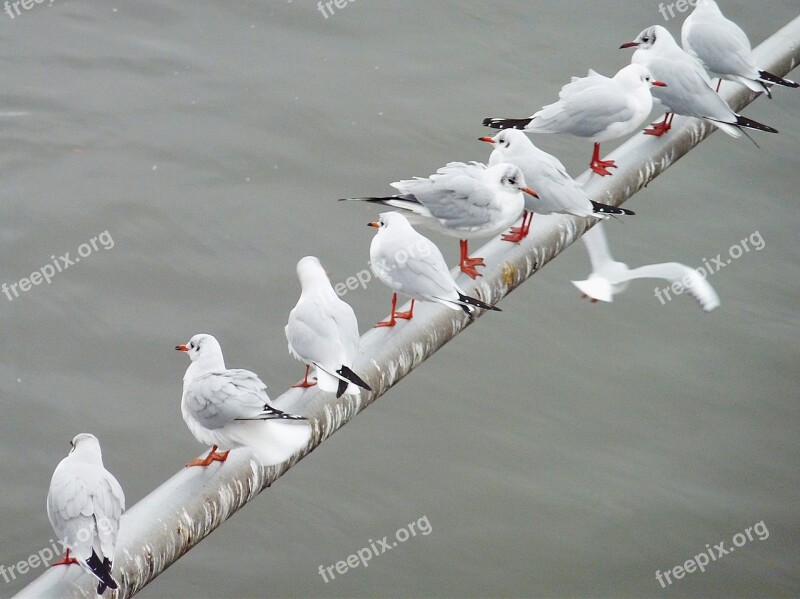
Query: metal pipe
x,y
173,518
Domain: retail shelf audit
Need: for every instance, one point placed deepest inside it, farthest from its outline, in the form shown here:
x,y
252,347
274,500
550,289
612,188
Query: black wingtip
x,y
341,388
270,413
600,208
767,76
743,121
351,376
506,123
466,300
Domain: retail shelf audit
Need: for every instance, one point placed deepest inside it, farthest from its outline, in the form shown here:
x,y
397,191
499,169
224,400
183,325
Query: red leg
x,y
591,299
468,264
212,456
528,226
517,234
305,382
719,83
391,322
600,166
660,128
66,561
406,315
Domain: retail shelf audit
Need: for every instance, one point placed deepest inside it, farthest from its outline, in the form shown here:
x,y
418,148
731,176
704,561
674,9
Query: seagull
x,y
598,107
558,193
610,277
230,408
690,92
464,201
411,264
84,506
323,332
724,49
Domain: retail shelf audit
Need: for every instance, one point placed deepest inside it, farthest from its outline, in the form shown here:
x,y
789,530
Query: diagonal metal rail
x,y
185,509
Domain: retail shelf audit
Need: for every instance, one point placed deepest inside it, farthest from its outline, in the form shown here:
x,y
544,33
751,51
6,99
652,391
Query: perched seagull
x,y
84,505
323,332
724,49
464,201
230,408
610,277
411,264
558,193
690,92
598,107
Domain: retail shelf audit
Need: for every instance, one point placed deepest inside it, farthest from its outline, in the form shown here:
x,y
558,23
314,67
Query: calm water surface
x,y
557,449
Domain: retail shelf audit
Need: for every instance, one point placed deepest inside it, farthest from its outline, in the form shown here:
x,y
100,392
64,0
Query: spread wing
x,y
597,246
697,286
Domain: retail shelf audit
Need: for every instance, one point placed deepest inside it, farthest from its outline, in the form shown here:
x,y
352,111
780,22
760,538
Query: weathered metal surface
x,y
181,512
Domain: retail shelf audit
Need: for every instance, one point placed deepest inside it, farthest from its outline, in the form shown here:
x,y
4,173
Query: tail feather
x,y
767,76
496,123
743,121
606,209
101,571
468,302
352,377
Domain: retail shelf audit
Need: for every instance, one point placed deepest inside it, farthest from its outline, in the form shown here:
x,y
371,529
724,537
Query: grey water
x,y
556,449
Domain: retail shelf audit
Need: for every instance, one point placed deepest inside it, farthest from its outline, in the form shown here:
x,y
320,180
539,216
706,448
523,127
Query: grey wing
x,y
558,192
597,246
217,398
688,90
457,197
584,110
425,274
324,332
109,503
697,286
722,47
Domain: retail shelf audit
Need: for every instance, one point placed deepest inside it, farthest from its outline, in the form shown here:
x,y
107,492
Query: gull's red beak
x,y
488,140
529,191
628,45
658,83
181,348
373,224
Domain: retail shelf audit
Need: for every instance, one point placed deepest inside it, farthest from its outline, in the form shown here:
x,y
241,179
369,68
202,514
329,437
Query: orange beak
x,y
181,348
529,191
488,140
658,83
373,224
